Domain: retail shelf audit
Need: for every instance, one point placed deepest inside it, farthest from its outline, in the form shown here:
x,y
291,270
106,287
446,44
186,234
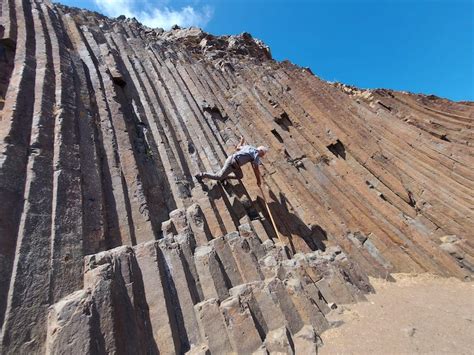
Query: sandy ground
x,y
421,314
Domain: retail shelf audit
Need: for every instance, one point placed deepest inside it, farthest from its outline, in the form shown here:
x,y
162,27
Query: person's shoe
x,y
199,177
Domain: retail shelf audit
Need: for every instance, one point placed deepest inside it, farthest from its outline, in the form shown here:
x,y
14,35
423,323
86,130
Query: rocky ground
x,y
421,314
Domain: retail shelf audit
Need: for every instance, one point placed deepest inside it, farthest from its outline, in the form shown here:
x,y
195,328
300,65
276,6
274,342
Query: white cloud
x,y
116,8
186,17
154,16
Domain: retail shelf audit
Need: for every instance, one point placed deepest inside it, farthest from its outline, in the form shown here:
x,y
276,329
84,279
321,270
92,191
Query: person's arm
x,y
241,143
256,171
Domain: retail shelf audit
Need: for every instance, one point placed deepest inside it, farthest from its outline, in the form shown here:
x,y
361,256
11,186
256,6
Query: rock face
x,y
109,245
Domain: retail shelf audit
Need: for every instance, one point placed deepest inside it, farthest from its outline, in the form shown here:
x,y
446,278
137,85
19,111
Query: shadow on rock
x,y
290,224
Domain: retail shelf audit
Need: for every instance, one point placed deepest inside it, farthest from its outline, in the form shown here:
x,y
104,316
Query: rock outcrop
x,y
108,243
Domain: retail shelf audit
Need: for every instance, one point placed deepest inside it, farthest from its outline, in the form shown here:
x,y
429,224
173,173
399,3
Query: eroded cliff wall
x,y
104,123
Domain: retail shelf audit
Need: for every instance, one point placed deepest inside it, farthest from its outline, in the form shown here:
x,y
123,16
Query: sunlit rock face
x,y
108,244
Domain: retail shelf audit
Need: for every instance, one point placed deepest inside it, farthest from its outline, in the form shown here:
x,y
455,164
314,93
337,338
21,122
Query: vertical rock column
x,y
15,129
24,328
182,293
67,249
158,297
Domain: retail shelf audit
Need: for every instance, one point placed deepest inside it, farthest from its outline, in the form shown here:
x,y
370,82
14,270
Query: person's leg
x,y
236,174
223,173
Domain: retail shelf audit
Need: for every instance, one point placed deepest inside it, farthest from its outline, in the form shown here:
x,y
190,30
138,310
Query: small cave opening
x,y
388,108
118,80
444,137
411,199
214,112
277,135
338,149
284,121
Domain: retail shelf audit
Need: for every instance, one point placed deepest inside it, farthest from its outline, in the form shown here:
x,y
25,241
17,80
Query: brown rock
x,y
105,122
306,341
279,341
240,325
211,324
71,322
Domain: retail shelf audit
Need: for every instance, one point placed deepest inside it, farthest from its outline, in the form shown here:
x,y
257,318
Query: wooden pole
x,y
271,217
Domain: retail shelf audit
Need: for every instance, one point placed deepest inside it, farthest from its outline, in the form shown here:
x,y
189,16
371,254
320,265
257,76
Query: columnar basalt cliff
x,y
109,245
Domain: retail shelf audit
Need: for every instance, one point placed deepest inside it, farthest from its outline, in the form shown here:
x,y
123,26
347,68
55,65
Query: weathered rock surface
x,y
108,244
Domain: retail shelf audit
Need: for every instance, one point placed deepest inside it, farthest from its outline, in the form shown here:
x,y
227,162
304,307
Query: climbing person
x,y
232,168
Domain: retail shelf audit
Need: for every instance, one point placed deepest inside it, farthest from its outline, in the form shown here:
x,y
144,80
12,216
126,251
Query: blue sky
x,y
422,46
